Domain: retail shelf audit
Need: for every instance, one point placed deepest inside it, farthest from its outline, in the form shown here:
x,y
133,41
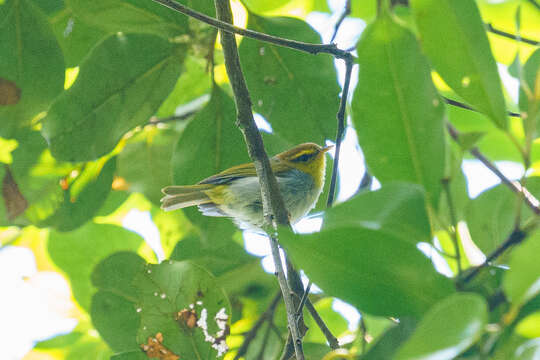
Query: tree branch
x,y
273,205
340,128
346,12
515,237
515,186
229,28
490,28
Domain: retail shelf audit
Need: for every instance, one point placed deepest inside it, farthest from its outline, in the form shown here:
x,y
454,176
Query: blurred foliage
x,y
104,102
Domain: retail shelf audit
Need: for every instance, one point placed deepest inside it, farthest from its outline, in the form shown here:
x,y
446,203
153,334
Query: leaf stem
x,y
276,40
515,186
346,12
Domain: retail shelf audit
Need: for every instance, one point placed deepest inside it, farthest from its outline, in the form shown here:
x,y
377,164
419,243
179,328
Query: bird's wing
x,y
243,170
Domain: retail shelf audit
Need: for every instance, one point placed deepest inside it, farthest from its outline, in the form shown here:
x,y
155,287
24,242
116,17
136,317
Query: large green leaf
x,y
145,161
454,38
530,104
400,125
77,252
491,216
28,83
130,16
447,329
388,344
84,197
397,208
120,85
138,301
76,38
377,272
299,96
522,281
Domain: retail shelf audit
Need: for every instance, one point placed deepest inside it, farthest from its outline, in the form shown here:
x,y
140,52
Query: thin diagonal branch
x,y
250,335
515,237
468,107
340,128
274,208
505,34
346,12
515,186
332,341
229,28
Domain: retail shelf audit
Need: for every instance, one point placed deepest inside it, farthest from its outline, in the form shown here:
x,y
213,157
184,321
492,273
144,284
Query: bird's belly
x,y
245,205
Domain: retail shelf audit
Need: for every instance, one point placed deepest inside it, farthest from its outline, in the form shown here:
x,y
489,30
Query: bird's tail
x,y
177,197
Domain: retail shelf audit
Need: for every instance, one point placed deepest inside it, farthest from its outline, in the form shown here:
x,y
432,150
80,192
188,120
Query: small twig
x,y
304,298
340,129
274,208
505,34
468,107
453,219
515,238
229,28
155,120
332,340
346,12
267,315
515,186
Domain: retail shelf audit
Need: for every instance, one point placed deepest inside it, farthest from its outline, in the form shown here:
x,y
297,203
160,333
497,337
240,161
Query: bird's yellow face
x,y
308,158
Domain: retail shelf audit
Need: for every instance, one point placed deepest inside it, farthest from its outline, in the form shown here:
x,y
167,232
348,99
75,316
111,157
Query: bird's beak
x,y
325,149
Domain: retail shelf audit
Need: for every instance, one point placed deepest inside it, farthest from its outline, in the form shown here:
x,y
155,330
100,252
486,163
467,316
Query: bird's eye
x,y
303,157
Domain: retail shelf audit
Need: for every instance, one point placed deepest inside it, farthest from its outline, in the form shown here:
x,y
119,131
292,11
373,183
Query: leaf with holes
x,y
397,109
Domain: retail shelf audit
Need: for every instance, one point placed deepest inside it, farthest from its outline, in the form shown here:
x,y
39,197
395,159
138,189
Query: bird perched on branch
x,y
236,193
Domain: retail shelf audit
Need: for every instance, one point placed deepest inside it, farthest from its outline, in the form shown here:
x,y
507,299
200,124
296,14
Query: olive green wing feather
x,y
244,170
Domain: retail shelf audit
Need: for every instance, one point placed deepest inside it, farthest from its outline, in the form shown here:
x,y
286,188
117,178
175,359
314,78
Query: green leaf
x,y
405,141
38,177
75,37
447,329
298,98
369,269
130,16
217,258
192,84
25,41
522,280
170,287
145,161
84,197
529,350
453,37
531,104
77,252
397,208
388,344
135,302
119,86
491,216
114,306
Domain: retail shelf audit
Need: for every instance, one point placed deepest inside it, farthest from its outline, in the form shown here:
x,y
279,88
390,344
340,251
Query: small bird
x,y
235,192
